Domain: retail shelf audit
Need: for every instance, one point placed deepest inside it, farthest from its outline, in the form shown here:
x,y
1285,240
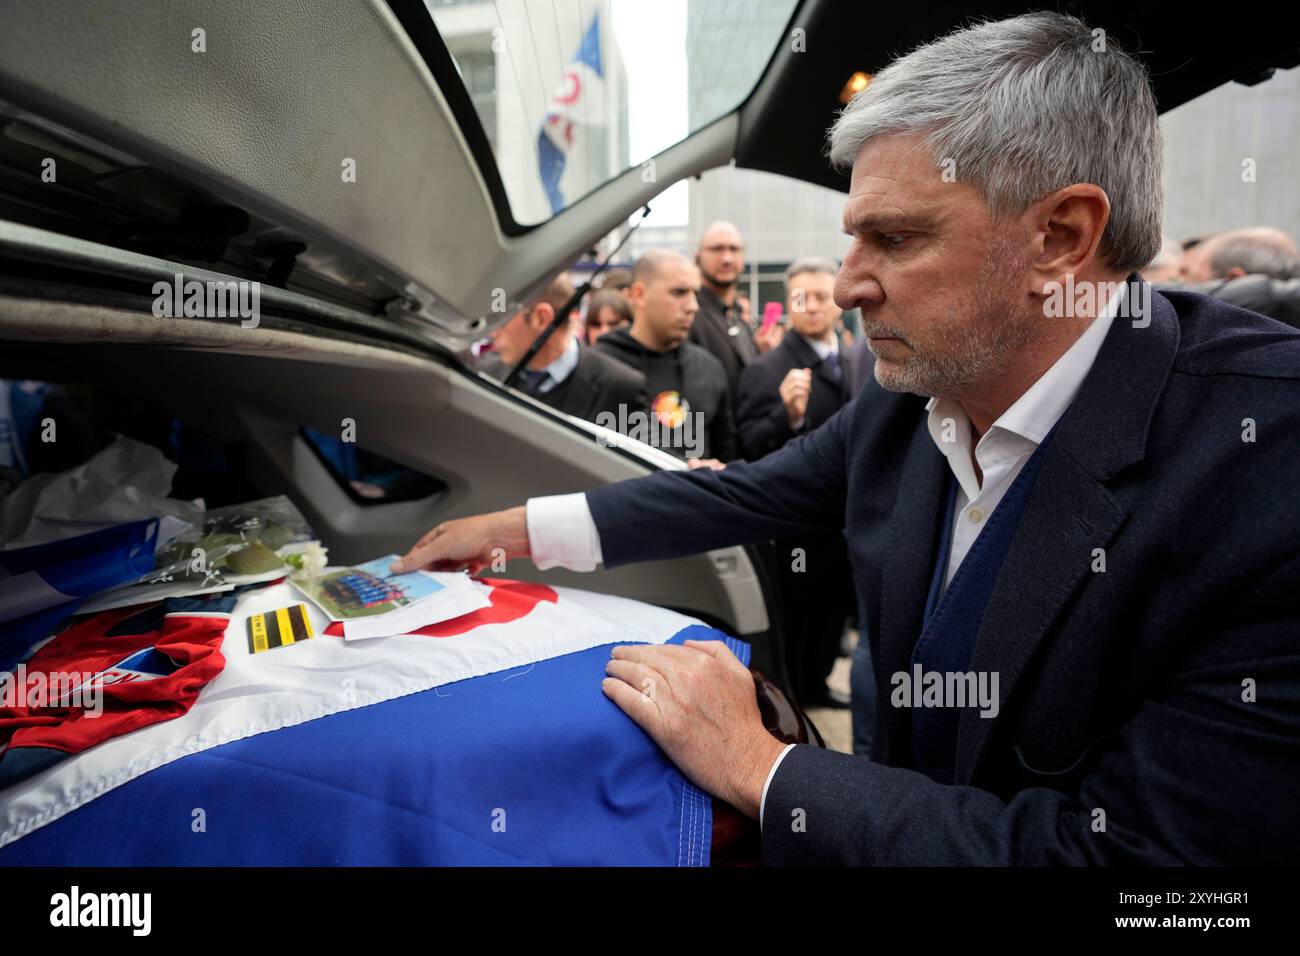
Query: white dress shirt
x,y
830,347
561,368
1004,449
561,531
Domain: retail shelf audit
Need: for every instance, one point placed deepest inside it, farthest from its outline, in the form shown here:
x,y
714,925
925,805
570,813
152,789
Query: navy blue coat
x,y
1149,713
761,419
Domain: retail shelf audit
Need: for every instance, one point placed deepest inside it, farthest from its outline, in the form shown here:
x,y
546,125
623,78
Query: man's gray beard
x,y
992,328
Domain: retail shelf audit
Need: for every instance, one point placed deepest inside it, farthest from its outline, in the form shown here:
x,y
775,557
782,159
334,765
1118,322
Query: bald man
x,y
719,326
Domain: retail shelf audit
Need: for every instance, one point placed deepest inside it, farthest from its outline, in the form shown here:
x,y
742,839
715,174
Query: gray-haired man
x,y
1073,541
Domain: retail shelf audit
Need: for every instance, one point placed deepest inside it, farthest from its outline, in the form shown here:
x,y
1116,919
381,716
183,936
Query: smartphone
x,y
771,315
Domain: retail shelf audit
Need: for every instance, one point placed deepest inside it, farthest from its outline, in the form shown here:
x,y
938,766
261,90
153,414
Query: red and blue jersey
x,y
107,675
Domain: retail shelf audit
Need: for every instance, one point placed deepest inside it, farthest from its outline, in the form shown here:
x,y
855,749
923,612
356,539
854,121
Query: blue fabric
x,y
944,554
862,696
19,430
589,52
413,781
952,621
77,567
550,166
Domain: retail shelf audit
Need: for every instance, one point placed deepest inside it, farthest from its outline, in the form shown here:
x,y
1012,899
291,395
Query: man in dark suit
x,y
564,374
1078,559
719,326
792,390
805,379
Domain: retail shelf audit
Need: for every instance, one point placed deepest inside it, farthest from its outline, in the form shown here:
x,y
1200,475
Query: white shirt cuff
x,y
762,802
562,533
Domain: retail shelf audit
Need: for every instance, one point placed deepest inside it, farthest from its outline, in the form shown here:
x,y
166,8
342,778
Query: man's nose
x,y
856,286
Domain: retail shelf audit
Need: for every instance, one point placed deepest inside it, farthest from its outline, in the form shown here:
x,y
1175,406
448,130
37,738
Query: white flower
x,y
310,561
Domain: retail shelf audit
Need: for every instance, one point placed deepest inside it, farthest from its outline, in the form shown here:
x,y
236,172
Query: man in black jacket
x,y
564,374
790,391
720,326
689,410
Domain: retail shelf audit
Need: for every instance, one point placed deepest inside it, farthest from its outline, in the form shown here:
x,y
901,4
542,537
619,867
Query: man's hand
x,y
711,463
697,702
766,341
794,391
469,543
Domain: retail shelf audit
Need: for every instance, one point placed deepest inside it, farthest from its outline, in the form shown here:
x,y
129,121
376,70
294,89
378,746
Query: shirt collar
x,y
1024,425
822,349
563,366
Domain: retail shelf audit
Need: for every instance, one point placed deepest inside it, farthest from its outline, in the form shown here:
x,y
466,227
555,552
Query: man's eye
x,y
893,241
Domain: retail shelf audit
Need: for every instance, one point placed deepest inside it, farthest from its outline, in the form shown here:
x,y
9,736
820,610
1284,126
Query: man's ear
x,y
636,293
1067,228
1236,272
542,315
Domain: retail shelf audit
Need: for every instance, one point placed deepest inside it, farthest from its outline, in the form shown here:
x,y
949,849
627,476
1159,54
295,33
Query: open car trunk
x,y
248,396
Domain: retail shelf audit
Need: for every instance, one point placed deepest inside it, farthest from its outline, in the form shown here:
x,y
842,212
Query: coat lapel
x,y
905,577
1068,515
579,397
1070,511
801,353
847,358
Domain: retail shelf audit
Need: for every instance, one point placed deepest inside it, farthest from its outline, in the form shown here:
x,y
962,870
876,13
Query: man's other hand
x,y
469,543
697,702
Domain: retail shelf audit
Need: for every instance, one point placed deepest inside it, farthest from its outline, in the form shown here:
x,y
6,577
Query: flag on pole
x,y
578,101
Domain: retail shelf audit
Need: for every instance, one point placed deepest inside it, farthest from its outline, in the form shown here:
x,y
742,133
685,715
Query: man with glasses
x,y
719,325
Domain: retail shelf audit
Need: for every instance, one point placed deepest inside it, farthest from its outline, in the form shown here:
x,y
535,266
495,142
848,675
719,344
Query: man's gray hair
x,y
1262,251
1023,107
816,264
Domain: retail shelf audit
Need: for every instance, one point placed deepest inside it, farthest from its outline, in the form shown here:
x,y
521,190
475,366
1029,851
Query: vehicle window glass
x,y
369,479
574,92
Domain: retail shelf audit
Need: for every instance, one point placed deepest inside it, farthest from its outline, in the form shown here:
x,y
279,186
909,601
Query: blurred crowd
x,y
1256,268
